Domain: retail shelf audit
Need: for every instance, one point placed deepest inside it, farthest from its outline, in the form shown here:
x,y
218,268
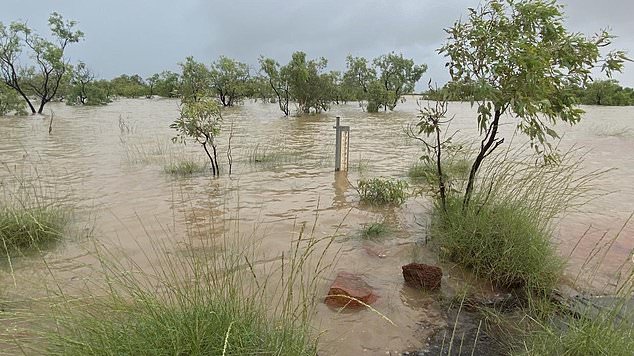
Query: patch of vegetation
x,y
601,335
185,168
214,303
501,240
374,230
269,156
425,172
382,191
23,229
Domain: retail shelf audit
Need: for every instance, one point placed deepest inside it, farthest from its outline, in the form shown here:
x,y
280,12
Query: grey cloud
x,y
147,36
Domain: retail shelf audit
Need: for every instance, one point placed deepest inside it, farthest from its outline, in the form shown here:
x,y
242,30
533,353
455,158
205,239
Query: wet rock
x,y
350,291
420,275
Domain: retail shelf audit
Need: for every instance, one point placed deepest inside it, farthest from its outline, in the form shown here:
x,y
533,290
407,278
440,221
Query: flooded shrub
x,y
22,229
382,191
185,168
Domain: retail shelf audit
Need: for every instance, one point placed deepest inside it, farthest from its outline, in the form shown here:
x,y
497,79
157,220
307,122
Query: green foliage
x,y
502,241
374,230
25,228
84,90
602,335
606,92
200,120
271,72
165,84
454,170
398,76
128,86
308,85
384,83
195,80
185,168
42,76
381,191
229,80
519,57
11,102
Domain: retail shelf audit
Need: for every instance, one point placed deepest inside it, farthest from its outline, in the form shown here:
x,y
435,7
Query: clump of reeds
x,y
375,230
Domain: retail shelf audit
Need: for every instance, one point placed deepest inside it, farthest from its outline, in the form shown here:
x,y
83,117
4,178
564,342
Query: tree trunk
x,y
217,169
486,148
211,159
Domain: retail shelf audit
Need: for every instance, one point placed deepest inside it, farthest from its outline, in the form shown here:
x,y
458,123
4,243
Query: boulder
x,y
350,291
420,275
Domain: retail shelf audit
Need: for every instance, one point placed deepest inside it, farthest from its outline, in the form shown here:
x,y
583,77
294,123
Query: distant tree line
x,y
601,92
34,71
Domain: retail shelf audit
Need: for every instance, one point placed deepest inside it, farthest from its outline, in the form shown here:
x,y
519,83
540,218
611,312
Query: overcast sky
x,y
148,36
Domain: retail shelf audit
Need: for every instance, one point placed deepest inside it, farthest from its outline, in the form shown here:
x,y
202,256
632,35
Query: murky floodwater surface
x,y
108,163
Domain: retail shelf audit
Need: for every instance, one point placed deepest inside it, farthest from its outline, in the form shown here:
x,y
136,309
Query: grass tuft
x,y
23,229
185,168
421,172
374,230
382,191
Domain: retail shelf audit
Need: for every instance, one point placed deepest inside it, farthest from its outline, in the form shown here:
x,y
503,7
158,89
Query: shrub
x,y
382,191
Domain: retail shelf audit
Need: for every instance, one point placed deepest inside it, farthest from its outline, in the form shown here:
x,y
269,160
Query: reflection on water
x,y
114,175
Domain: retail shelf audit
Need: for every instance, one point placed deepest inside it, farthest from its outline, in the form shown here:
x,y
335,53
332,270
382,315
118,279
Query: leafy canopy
x,y
516,56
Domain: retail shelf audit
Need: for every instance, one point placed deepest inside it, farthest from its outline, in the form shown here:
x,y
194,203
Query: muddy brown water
x,y
108,162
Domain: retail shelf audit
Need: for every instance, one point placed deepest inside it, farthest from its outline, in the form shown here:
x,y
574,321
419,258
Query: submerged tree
x,y
11,102
520,62
84,90
271,71
398,76
195,80
229,78
200,120
41,79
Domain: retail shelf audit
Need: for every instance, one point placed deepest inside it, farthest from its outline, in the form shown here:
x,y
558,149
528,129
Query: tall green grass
x,y
382,191
185,167
505,232
214,300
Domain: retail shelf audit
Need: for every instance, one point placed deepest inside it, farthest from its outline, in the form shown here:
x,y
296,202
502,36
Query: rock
x,y
349,290
419,275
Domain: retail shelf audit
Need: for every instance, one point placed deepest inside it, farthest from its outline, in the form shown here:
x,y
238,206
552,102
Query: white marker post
x,y
342,146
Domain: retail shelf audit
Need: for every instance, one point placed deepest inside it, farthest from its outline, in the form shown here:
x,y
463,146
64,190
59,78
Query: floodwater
x,y
108,162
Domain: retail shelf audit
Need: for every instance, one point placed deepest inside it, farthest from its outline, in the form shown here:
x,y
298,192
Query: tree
x,y
229,80
129,86
167,85
279,85
83,89
522,62
307,84
358,77
195,80
606,92
398,76
11,102
151,84
200,120
42,78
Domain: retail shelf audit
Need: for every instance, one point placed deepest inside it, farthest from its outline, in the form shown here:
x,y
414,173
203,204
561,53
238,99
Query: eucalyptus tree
x,y
84,90
195,80
520,62
357,78
396,76
271,70
129,86
229,79
308,85
42,75
166,84
200,120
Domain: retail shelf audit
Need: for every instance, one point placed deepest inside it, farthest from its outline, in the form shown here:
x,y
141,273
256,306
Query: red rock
x,y
350,290
419,275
